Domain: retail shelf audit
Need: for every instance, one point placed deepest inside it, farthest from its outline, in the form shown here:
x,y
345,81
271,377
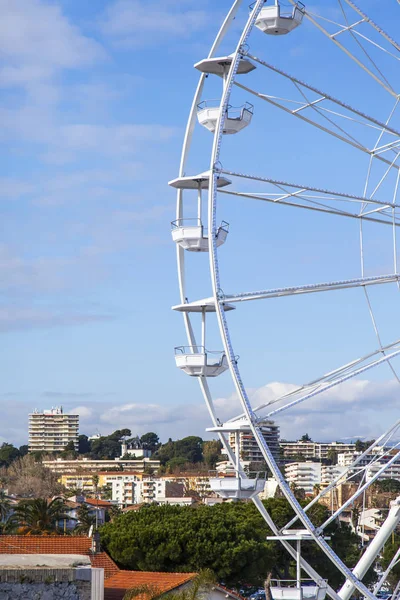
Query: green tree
x,y
229,538
388,553
84,445
109,447
305,438
387,485
332,456
69,451
212,453
188,450
23,450
5,506
85,520
150,441
8,453
39,515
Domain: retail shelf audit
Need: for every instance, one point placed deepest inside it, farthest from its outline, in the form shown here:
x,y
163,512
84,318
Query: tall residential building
x,y
249,450
51,430
304,475
318,450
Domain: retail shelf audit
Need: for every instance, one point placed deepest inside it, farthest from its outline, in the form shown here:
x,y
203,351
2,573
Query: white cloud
x,y
17,318
37,39
351,412
374,408
136,23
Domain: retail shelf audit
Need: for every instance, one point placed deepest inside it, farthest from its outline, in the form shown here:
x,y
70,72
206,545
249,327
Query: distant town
x,y
123,471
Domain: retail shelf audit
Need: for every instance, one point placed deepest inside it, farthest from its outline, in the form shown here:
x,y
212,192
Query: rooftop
x,y
57,544
30,561
119,583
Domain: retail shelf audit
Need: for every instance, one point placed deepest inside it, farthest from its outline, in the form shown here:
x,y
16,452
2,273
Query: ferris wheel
x,y
198,235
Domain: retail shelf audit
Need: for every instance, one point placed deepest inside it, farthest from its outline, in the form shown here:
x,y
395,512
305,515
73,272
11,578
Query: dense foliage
x,y
8,453
388,553
39,515
228,538
387,485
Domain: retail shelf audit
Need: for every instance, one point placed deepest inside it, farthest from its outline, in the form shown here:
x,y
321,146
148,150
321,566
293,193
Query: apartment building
x,y
248,447
84,482
51,430
314,450
78,466
330,473
303,475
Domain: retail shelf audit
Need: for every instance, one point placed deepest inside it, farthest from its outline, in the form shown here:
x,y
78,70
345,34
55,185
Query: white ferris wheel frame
x,y
383,212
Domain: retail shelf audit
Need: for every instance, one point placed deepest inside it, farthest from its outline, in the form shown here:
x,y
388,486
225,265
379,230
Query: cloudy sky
x,y
94,98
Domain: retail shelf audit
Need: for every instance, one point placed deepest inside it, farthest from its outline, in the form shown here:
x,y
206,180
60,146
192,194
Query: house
x,y
116,580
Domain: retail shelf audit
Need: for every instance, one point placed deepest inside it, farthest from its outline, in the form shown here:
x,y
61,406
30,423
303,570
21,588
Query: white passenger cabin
x,y
190,233
236,485
196,361
299,588
275,20
236,119
236,488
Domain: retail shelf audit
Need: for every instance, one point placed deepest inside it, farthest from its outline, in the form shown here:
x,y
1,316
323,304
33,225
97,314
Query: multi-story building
x,y
85,482
51,430
330,473
79,466
248,447
303,475
314,450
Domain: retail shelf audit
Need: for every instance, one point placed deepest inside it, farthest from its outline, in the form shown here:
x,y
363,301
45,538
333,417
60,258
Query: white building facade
x,y
51,430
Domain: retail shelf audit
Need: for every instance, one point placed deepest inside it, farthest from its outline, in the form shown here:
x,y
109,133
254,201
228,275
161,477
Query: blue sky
x,y
93,107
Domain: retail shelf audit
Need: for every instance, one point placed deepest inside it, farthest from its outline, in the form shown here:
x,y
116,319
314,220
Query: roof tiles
x,y
57,544
116,586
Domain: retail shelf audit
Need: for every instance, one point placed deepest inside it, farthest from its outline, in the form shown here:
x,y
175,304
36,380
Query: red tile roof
x,y
57,544
116,586
98,502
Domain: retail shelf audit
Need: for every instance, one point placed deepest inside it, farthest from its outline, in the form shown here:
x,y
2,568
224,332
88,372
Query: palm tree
x,y
85,521
198,589
40,515
5,506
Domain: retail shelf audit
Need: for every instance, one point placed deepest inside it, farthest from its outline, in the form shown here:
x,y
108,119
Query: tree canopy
x,y
186,450
229,538
387,485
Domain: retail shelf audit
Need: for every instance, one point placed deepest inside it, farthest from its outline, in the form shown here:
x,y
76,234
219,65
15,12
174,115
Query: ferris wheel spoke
x,y
348,473
351,28
387,220
361,489
330,126
323,194
331,379
311,288
328,380
351,113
